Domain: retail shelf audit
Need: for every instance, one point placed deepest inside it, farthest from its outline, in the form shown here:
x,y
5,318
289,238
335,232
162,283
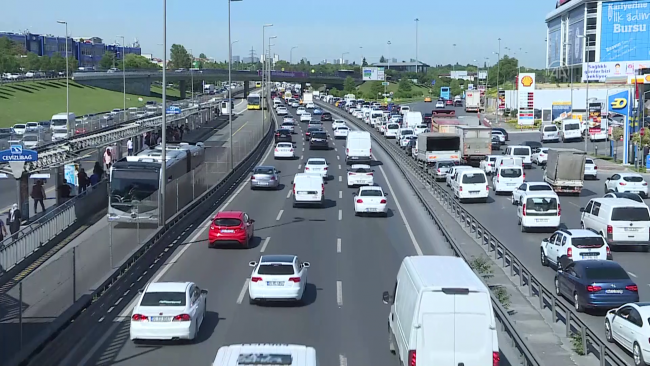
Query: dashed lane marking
x,y
289,193
340,215
338,245
339,293
242,293
277,218
266,242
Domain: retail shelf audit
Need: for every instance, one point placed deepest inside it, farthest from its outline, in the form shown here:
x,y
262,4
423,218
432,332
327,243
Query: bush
x,y
513,113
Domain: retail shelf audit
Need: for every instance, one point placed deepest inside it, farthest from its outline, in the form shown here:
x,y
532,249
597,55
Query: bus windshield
x,y
253,99
129,187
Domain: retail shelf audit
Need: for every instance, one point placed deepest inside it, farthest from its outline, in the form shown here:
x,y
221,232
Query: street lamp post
x,y
270,65
417,21
453,66
291,54
343,58
67,79
123,77
388,53
263,56
232,164
361,52
163,167
192,74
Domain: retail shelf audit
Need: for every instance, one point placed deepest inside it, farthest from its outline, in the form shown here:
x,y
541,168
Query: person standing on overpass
x,y
38,195
129,146
14,221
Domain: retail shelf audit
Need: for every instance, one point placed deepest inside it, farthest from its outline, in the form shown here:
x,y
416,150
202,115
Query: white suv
x,y
576,244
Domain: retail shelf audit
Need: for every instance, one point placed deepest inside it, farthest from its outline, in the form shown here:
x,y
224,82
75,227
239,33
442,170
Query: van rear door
x,y
456,329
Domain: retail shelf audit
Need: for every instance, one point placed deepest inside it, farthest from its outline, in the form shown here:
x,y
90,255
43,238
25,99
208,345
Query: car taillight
x,y
139,317
277,134
569,253
383,200
370,174
460,188
294,279
559,209
622,183
524,175
276,150
291,150
182,318
609,251
252,177
523,210
610,230
644,183
495,358
322,189
633,288
487,188
359,200
256,279
596,168
347,151
272,178
370,151
594,288
412,358
306,168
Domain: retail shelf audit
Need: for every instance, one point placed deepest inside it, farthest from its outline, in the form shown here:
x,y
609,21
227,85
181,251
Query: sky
x,y
325,30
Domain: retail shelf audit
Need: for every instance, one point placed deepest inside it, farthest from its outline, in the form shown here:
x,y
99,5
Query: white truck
x,y
209,89
358,148
433,146
412,119
565,170
475,143
307,97
473,101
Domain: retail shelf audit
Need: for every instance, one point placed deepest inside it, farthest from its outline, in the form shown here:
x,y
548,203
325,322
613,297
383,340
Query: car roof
x,y
592,263
538,184
580,232
370,188
167,286
630,175
229,215
315,159
277,258
619,202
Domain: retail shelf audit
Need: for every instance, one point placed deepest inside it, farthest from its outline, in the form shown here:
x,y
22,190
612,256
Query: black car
x,y
5,133
503,130
319,140
458,103
409,147
283,135
535,146
311,130
496,143
326,116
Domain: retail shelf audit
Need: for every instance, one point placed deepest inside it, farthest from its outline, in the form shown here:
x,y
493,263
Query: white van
x,y
404,109
308,189
375,117
539,209
471,184
507,178
522,152
570,130
266,354
450,178
621,221
392,129
59,124
413,119
358,148
441,314
549,132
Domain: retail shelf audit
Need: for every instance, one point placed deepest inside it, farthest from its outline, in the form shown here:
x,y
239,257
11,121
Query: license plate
x,y
262,184
510,184
614,291
274,283
371,210
227,231
473,192
588,255
161,318
541,220
631,229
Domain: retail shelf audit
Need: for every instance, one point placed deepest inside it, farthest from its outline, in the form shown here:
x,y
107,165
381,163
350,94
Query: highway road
x,y
353,259
47,292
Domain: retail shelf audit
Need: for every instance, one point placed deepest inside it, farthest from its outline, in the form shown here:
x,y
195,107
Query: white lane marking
x,y
340,194
340,178
339,166
338,245
339,293
289,193
335,149
303,149
340,215
266,242
632,274
98,344
338,157
277,218
299,166
343,361
242,293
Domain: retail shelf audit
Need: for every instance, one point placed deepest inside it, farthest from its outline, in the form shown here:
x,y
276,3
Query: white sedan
x,y
310,106
282,111
288,126
338,123
301,110
277,277
168,311
341,132
591,170
305,117
295,105
284,150
440,104
370,200
360,175
289,119
317,166
628,326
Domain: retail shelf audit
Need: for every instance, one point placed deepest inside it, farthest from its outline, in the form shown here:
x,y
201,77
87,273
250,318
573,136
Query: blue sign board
x,y
619,103
173,110
17,153
433,82
625,31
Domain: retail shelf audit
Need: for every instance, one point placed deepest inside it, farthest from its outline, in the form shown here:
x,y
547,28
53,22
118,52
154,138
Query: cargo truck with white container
x,y
307,97
475,143
565,170
209,89
473,101
413,119
432,146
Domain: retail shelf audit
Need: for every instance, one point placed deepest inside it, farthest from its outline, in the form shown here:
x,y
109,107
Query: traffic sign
x,y
173,110
16,156
385,83
433,82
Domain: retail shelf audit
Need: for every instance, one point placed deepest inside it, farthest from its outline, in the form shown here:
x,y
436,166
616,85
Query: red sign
x,y
560,3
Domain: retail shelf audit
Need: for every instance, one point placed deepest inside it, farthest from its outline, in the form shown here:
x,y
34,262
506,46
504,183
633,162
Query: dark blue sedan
x,y
595,284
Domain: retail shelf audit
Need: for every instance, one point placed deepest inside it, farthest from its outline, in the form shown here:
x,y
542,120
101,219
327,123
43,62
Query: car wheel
x,y
637,355
608,332
512,200
576,304
543,258
251,301
391,341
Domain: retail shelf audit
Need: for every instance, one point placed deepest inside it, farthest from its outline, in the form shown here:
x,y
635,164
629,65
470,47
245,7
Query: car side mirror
x,y
582,209
291,182
545,240
305,264
608,178
141,291
385,194
560,270
386,298
204,292
252,264
251,221
278,171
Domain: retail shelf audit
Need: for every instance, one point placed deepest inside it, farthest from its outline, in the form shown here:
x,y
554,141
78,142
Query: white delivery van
x,y
308,189
358,148
392,130
59,124
413,119
539,209
471,184
266,354
522,152
570,130
621,221
441,314
375,117
507,178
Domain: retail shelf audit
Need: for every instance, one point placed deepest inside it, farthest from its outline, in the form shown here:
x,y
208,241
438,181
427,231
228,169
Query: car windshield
x,y
30,138
606,273
163,299
407,132
342,129
633,179
275,269
520,151
630,214
316,162
19,126
319,135
571,127
227,222
539,187
550,128
263,171
393,127
589,161
510,172
286,146
472,178
371,193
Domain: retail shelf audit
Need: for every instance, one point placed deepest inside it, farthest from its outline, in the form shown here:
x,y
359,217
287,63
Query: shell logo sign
x,y
527,81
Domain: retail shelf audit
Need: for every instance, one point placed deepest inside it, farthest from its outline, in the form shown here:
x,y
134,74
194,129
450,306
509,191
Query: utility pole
x,y
252,56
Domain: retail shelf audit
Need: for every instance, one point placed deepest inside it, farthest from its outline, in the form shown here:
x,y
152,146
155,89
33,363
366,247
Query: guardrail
x,y
143,259
590,341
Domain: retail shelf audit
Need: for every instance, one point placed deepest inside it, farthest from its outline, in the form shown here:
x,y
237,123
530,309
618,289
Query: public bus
x,y
254,101
445,125
445,93
258,84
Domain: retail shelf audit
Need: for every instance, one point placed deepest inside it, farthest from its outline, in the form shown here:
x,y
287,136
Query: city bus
x,y
254,101
445,93
258,84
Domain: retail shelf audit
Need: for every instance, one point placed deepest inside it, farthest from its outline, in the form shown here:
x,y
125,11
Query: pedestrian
x,y
83,180
94,179
108,158
38,195
64,191
129,146
3,232
14,221
98,170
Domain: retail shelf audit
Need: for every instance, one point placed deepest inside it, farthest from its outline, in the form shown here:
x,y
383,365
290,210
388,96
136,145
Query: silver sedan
x,y
265,177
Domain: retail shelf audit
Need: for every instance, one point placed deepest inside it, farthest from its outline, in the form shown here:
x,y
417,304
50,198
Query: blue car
x,y
317,112
595,284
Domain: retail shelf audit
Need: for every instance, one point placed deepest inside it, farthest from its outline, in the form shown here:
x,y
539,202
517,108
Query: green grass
x,y
39,100
392,87
171,93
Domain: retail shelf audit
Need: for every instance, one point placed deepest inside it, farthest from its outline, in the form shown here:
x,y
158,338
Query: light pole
x,y
291,54
67,79
263,55
163,166
192,74
361,52
388,53
232,163
453,66
123,77
269,66
232,43
417,21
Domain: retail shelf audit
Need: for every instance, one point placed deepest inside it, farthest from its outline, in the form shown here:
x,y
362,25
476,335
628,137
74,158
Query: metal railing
x,y
591,343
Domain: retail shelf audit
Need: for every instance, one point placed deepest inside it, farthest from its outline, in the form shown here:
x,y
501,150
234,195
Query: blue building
x,y
88,51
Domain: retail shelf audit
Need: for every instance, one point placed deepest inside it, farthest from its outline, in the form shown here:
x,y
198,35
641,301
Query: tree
x,y
73,64
179,57
376,88
335,92
32,61
348,85
203,56
57,62
405,85
133,61
382,59
364,63
107,61
46,64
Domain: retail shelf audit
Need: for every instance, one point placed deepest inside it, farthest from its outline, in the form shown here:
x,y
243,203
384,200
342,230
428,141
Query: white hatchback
x,y
284,150
370,200
277,277
591,170
341,132
360,175
317,166
338,123
540,156
627,182
282,111
301,110
305,117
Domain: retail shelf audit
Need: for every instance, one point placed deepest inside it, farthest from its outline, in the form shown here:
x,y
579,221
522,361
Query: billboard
x,y
554,43
526,96
600,71
624,32
373,73
560,110
501,97
619,104
595,117
575,51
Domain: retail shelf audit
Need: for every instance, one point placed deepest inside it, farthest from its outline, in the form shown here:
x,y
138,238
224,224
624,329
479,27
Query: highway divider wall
x,y
60,335
591,343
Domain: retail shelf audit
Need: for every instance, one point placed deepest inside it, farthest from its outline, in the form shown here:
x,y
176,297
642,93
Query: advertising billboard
x,y
595,117
526,96
600,71
560,110
624,32
373,73
554,43
576,51
501,96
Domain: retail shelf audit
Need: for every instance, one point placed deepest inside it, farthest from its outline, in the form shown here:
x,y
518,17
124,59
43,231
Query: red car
x,y
231,227
449,102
